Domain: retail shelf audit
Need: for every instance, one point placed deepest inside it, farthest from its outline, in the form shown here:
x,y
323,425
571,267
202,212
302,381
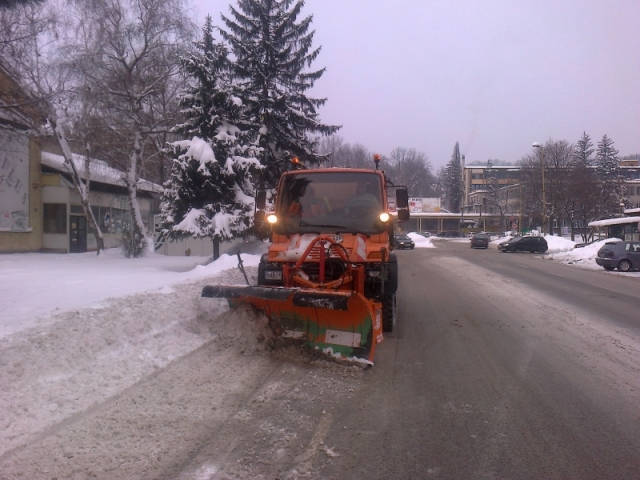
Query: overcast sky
x,y
493,75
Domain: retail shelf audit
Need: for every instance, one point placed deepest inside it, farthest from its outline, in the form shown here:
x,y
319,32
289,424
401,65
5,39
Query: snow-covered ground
x,y
561,249
77,329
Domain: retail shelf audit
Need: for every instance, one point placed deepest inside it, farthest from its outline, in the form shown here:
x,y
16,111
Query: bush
x,y
132,245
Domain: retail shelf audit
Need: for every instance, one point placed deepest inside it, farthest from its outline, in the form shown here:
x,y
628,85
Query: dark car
x,y
524,244
480,240
403,241
624,256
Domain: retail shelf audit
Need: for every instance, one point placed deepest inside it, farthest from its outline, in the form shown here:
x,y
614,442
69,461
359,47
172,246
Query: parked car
x,y
403,241
425,234
586,244
480,240
622,255
524,244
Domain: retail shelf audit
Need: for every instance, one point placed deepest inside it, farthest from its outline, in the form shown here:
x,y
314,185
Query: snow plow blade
x,y
343,324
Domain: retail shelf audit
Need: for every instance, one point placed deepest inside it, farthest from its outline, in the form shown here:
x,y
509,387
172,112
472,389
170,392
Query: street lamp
x,y
544,200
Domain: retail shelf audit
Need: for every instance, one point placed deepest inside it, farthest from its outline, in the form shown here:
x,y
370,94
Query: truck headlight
x,y
271,218
384,217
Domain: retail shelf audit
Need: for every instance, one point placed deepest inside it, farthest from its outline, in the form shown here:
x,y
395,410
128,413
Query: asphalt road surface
x,y
502,366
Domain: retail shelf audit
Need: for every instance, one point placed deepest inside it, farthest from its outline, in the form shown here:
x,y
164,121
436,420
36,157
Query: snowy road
x,y
496,376
488,375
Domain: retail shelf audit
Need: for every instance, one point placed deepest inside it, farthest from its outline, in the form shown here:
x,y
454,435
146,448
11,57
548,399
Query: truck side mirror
x,y
403,215
402,198
261,199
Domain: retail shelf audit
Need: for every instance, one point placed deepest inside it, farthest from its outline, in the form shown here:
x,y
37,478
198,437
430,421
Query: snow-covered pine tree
x,y
209,192
612,187
453,187
272,51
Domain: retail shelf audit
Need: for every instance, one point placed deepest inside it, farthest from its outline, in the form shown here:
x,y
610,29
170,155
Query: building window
x,y
638,191
121,220
103,217
55,217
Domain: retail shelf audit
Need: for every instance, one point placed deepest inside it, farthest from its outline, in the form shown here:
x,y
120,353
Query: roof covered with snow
x,y
100,171
614,221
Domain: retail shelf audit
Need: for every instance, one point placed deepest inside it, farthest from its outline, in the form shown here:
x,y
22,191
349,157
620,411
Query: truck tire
x,y
391,285
261,265
388,312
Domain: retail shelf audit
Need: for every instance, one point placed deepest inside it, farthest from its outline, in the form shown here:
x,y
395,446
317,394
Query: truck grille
x,y
333,270
315,253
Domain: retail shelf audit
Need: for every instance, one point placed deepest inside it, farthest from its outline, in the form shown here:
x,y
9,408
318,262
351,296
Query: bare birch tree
x,y
553,163
410,167
128,56
30,44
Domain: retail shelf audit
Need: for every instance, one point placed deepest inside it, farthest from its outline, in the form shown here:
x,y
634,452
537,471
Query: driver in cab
x,y
363,201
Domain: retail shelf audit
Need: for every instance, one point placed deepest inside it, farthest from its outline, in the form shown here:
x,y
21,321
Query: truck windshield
x,y
330,202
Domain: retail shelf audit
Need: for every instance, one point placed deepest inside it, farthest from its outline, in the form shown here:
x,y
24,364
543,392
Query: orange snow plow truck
x,y
330,276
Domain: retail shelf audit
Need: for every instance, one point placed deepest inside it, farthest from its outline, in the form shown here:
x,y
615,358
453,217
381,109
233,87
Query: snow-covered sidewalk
x,y
76,330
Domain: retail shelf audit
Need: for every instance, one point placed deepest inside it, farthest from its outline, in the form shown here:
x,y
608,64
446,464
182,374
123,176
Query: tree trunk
x,y
93,224
216,248
80,186
137,225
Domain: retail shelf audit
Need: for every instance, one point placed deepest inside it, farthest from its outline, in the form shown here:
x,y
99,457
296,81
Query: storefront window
x,y
120,220
55,218
103,217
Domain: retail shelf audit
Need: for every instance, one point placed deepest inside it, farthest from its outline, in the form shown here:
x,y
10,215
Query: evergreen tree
x,y
612,187
583,150
209,192
453,188
271,51
580,204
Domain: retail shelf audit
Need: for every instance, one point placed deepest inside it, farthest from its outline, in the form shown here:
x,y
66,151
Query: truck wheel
x,y
261,265
388,312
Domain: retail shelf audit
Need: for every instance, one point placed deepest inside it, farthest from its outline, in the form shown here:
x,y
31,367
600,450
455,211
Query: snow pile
x,y
37,285
563,250
92,346
558,244
243,328
584,257
420,241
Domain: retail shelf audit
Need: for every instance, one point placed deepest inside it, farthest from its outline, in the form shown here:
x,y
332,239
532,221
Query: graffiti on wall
x,y
14,181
